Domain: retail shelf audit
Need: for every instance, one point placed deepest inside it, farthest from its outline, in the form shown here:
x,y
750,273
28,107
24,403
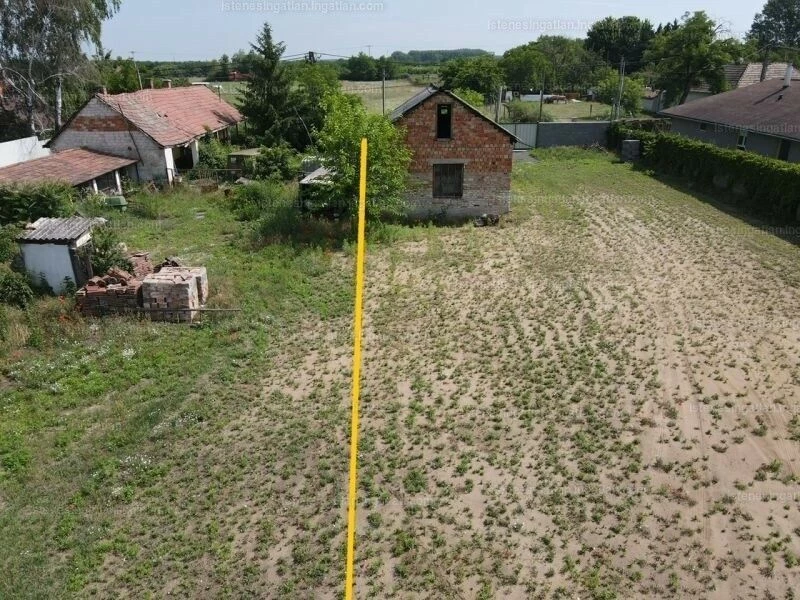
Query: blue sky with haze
x,y
203,29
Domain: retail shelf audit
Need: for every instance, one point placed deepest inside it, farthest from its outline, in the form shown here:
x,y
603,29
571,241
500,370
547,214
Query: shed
x,y
51,250
237,160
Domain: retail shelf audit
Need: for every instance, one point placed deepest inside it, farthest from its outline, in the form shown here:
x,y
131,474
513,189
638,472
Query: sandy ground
x,y
594,402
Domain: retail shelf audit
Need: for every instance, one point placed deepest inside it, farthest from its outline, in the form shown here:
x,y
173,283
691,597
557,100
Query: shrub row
x,y
757,184
21,203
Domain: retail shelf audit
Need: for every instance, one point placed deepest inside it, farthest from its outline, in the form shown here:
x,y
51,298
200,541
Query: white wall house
x,y
51,251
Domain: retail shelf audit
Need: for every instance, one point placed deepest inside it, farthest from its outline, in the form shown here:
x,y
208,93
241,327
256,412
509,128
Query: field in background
x,y
596,399
397,92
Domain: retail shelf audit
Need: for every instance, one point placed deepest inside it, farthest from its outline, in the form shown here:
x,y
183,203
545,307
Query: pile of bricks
x,y
175,293
141,263
116,292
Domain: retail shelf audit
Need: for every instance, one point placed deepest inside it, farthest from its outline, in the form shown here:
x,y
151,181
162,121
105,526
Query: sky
x,y
205,29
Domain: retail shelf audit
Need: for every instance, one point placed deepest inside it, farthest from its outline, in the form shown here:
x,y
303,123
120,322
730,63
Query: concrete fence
x,y
17,151
548,135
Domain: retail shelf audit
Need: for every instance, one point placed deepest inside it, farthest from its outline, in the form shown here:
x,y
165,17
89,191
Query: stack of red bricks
x,y
116,292
175,293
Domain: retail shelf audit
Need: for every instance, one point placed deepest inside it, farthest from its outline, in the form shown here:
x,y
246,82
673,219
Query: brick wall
x,y
485,151
99,127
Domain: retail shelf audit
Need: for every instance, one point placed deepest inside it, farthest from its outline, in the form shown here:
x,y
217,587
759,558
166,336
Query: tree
x,y
612,39
482,74
41,44
688,56
346,123
525,68
633,90
361,68
471,97
224,68
778,24
312,83
573,67
265,99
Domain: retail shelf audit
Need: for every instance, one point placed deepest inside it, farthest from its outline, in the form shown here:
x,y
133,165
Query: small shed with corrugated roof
x,y
53,250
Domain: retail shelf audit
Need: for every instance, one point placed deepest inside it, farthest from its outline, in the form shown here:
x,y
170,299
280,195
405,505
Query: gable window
x,y
783,149
448,181
741,143
444,121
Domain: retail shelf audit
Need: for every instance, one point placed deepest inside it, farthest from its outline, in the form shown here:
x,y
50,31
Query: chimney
x,y
152,83
168,82
105,90
787,80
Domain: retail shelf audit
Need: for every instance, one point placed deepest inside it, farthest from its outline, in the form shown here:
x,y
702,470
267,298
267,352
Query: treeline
x,y
435,57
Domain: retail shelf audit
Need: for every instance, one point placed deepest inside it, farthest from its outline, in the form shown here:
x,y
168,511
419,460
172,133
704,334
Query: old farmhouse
x,y
159,129
763,118
461,164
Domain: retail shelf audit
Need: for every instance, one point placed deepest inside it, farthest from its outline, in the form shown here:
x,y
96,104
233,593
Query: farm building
x,y
51,250
461,163
739,76
763,118
159,128
85,169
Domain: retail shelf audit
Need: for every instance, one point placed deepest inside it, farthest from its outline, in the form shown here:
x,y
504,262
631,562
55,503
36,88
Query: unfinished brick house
x,y
461,163
159,128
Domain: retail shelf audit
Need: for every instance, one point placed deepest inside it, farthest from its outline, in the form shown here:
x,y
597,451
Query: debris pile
x,y
167,291
115,292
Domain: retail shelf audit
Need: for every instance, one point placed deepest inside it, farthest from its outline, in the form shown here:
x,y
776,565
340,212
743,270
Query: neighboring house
x,y
81,168
51,250
159,128
763,118
461,159
739,76
16,151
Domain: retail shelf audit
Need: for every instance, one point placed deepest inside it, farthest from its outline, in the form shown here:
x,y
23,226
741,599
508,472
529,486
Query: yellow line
x,y
351,503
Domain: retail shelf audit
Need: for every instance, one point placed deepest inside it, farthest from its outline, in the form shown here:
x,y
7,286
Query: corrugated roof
x,y
765,107
49,230
737,76
419,98
74,166
174,116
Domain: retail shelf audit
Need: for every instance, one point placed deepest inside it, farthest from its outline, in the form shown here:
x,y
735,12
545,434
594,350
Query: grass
x,y
543,408
397,92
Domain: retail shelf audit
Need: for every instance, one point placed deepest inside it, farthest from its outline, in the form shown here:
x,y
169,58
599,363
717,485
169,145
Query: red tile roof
x,y
174,116
767,107
74,166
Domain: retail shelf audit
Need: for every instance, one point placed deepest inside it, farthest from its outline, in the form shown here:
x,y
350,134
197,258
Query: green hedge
x,y
22,203
757,184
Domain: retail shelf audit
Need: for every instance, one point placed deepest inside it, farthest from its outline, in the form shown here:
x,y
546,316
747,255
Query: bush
x,y
526,112
214,154
472,97
148,206
759,185
259,198
15,289
8,242
106,251
278,162
22,203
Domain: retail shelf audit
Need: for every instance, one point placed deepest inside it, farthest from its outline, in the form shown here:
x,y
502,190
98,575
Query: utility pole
x,y
133,58
499,104
621,86
383,90
541,99
369,49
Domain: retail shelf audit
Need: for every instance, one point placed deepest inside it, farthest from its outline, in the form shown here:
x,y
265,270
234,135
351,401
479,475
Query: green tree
x,y
346,123
41,44
265,99
572,66
608,92
470,96
525,68
312,83
778,24
688,56
361,68
611,39
482,74
224,68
